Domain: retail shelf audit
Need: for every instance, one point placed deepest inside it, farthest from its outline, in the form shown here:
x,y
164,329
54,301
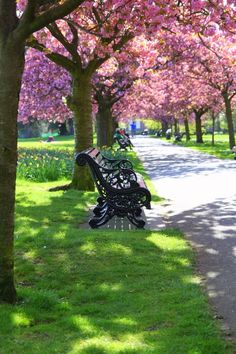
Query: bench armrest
x,y
117,163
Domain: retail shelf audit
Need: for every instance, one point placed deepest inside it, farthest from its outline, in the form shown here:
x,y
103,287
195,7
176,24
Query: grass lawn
x,y
62,142
220,149
97,291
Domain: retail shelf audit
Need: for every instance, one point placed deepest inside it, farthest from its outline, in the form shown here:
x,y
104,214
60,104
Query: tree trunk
x,y
187,131
115,125
62,127
213,128
229,118
198,124
164,127
81,103
218,123
176,126
104,126
11,68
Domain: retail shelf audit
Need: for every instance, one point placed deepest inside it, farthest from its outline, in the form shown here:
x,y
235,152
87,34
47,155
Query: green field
x,y
220,149
66,142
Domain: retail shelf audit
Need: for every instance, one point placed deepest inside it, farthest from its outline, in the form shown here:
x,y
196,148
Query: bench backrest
x,y
105,174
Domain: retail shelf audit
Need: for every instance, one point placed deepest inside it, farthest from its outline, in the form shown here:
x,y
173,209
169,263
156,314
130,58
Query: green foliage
x,y
152,124
97,291
42,165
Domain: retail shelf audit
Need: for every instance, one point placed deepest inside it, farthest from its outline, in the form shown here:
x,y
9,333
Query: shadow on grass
x,y
94,291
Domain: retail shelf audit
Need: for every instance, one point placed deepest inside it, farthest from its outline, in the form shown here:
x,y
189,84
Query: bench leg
x,y
99,209
133,218
106,214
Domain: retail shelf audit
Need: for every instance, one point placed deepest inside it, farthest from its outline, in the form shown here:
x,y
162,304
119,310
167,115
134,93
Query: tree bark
x,y
213,128
11,69
115,125
187,131
229,118
164,127
198,124
62,127
81,104
176,126
104,126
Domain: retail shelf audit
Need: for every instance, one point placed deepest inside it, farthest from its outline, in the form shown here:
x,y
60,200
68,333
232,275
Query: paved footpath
x,y
200,193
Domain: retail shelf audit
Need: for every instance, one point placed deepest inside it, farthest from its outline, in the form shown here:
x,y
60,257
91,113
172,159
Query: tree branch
x,y
27,26
70,47
55,57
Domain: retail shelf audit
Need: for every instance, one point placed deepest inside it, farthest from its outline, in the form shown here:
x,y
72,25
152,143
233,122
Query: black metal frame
x,y
123,144
120,191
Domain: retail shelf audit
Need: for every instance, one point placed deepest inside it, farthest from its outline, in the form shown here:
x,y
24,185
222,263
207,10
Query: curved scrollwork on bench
x,y
121,193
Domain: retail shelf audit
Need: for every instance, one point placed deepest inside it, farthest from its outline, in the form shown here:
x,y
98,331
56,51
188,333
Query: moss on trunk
x,y
83,125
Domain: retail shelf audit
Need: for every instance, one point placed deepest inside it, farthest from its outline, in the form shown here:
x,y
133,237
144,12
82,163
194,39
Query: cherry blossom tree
x,y
209,61
110,84
83,41
216,67
44,89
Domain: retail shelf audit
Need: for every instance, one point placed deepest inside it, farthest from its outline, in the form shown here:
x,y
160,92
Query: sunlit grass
x,y
220,149
97,291
40,143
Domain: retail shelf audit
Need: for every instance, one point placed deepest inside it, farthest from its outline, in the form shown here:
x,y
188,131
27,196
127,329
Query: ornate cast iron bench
x,y
122,192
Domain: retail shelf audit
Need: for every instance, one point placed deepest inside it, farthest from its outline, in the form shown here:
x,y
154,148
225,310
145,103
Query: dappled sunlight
x,y
212,275
20,319
29,255
105,287
125,321
211,251
84,324
191,279
107,344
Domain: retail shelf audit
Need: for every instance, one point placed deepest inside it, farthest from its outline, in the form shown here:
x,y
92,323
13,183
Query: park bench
x,y
123,192
124,144
178,137
234,151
